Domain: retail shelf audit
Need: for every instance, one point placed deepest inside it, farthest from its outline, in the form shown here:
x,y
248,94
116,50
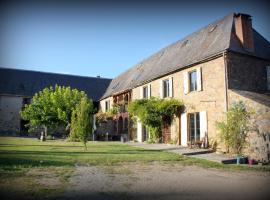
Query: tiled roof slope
x,y
27,83
208,41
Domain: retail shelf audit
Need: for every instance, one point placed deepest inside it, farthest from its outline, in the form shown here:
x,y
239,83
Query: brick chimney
x,y
244,32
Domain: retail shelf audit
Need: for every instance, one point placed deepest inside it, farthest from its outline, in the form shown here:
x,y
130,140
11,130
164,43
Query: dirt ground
x,y
161,181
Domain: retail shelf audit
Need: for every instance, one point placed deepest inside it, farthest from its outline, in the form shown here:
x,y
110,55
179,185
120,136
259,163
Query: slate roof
x,y
206,42
27,83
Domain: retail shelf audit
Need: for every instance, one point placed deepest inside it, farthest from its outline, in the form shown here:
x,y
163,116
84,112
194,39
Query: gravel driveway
x,y
165,181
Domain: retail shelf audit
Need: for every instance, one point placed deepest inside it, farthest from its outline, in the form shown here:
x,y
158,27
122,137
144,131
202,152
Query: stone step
x,y
198,152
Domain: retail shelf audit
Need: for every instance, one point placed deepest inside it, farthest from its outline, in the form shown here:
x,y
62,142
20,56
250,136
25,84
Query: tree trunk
x,y
44,134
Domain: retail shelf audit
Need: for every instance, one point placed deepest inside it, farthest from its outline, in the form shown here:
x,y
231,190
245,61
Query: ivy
x,y
151,111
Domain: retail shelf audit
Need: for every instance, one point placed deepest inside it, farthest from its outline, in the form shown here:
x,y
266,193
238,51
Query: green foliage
x,y
233,131
52,107
82,121
105,116
150,113
102,117
114,110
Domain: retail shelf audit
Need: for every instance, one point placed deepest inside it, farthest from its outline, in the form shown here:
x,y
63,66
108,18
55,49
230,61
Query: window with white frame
x,y
192,81
145,92
194,127
166,88
268,77
107,105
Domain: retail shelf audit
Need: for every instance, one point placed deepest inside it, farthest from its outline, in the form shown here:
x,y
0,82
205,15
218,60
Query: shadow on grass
x,y
70,153
13,163
41,145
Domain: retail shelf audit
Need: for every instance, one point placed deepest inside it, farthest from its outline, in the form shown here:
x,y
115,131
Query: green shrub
x,y
82,121
233,131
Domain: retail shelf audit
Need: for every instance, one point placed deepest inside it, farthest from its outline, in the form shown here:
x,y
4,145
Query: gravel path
x,y
160,181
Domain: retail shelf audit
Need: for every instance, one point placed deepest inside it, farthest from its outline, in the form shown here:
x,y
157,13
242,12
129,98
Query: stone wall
x,y
10,119
246,73
259,134
211,99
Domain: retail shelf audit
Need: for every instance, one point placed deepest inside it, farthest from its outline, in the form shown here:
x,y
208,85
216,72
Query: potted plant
x,y
251,161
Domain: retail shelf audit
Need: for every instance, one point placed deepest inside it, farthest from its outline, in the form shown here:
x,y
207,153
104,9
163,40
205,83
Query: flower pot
x,y
251,161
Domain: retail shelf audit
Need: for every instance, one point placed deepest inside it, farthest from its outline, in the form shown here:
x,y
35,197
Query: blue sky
x,y
105,39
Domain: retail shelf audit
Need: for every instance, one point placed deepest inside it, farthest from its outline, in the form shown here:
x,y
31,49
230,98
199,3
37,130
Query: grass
x,y
27,152
34,169
22,158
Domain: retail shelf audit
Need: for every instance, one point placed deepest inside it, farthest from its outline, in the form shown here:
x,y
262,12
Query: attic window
x,y
161,53
115,86
185,43
139,66
212,28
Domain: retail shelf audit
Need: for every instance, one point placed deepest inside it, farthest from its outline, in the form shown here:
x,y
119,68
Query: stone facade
x,y
247,82
10,120
210,99
246,73
246,76
259,134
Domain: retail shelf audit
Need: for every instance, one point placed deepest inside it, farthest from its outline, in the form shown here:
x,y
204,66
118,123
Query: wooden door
x,y
166,130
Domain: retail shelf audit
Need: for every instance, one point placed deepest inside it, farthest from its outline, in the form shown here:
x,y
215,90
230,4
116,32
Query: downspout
x,y
225,83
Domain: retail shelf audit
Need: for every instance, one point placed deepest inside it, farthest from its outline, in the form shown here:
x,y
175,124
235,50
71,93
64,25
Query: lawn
x,y
34,169
28,152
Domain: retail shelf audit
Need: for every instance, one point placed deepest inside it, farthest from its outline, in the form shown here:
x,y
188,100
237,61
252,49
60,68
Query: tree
x,y
151,111
233,131
82,121
52,107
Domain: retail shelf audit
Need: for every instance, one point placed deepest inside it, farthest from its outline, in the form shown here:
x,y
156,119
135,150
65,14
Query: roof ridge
x,y
54,73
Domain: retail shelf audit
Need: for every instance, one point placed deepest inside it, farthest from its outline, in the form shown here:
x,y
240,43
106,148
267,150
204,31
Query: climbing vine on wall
x,y
151,111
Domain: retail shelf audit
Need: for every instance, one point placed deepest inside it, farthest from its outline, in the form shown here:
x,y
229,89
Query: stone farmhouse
x,y
18,86
224,62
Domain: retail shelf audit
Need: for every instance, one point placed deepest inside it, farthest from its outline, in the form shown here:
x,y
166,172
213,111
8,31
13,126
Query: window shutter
x,y
104,107
161,88
141,92
171,87
199,79
203,124
149,91
139,131
184,129
186,83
